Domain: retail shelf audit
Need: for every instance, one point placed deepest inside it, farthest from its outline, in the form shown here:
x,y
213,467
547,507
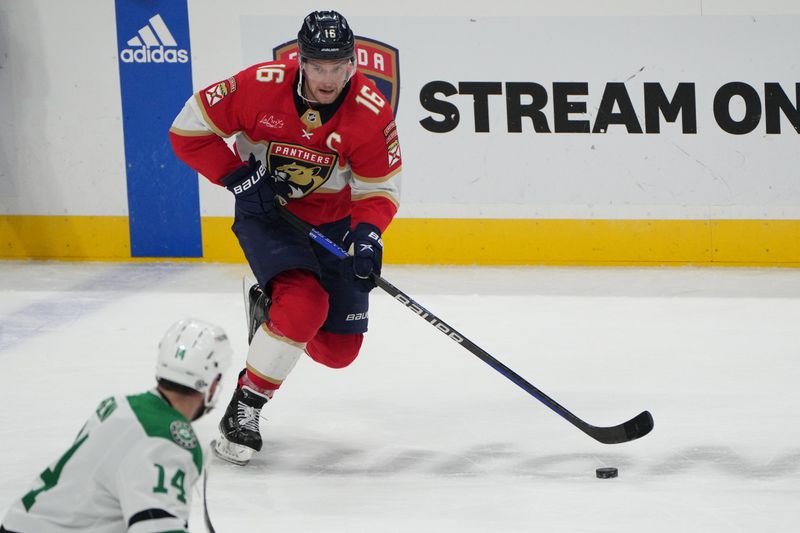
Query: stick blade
x,y
635,428
639,426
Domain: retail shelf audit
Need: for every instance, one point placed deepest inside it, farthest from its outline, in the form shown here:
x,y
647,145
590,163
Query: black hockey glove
x,y
365,247
247,185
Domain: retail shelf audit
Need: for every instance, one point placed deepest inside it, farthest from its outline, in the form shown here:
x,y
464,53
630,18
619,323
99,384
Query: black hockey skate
x,y
239,434
257,310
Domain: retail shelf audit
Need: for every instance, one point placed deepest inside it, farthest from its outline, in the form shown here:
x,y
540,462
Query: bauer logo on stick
x,y
432,320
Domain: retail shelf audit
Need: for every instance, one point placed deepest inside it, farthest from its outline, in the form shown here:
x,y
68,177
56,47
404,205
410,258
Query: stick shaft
x,y
630,430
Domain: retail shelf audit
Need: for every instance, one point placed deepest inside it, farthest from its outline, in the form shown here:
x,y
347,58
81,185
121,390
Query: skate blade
x,y
230,452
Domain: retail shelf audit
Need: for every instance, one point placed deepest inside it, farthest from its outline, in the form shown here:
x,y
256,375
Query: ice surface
x,y
420,435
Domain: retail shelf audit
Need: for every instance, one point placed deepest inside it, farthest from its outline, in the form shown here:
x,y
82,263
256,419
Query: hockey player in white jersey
x,y
133,464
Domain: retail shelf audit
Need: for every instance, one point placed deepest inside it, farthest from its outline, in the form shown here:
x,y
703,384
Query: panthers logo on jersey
x,y
305,170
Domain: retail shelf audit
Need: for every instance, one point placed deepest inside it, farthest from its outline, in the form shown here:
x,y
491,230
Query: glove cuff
x,y
236,176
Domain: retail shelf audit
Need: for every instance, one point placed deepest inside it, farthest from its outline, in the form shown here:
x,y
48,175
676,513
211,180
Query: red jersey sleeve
x,y
208,117
376,163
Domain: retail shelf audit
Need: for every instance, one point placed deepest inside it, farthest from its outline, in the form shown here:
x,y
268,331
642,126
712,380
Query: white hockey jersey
x,y
130,469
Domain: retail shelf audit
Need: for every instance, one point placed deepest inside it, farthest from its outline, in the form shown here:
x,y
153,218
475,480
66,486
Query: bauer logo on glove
x,y
251,180
247,185
245,179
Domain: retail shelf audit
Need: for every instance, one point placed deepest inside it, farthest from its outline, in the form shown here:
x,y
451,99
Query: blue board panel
x,y
155,80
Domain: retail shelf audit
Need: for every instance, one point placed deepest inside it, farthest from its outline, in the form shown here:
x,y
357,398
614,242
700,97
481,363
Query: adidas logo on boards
x,y
154,44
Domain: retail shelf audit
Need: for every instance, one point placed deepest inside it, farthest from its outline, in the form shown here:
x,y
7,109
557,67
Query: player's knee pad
x,y
270,358
334,350
299,305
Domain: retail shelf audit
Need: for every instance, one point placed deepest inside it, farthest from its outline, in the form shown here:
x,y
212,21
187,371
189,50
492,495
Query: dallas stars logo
x,y
183,435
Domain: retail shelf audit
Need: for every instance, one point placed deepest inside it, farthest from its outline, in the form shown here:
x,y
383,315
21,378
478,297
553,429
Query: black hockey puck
x,y
606,473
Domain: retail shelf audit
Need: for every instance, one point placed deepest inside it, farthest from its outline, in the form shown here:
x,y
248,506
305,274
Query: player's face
x,y
324,80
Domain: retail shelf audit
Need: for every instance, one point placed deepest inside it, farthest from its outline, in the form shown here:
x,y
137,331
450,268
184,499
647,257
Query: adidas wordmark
x,y
154,43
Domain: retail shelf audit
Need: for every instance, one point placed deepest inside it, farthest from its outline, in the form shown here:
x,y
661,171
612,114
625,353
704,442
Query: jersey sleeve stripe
x,y
189,120
149,514
386,186
164,525
379,179
181,530
191,133
198,105
388,196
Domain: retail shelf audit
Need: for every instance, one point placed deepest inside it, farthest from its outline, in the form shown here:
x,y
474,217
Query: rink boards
x,y
458,241
571,146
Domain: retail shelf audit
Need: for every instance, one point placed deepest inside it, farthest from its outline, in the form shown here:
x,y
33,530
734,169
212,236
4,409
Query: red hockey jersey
x,y
349,164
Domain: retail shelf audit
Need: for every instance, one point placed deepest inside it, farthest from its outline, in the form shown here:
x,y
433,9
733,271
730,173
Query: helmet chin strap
x,y
300,89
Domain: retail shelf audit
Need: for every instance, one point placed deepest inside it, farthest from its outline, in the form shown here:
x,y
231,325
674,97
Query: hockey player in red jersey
x,y
319,137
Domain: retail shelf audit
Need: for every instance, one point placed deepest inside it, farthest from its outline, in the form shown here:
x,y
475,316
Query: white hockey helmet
x,y
194,354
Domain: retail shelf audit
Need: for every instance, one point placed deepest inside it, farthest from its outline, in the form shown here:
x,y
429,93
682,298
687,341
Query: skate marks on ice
x,y
63,295
307,457
724,459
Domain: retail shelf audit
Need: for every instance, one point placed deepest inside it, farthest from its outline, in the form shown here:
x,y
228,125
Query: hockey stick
x,y
206,517
636,427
